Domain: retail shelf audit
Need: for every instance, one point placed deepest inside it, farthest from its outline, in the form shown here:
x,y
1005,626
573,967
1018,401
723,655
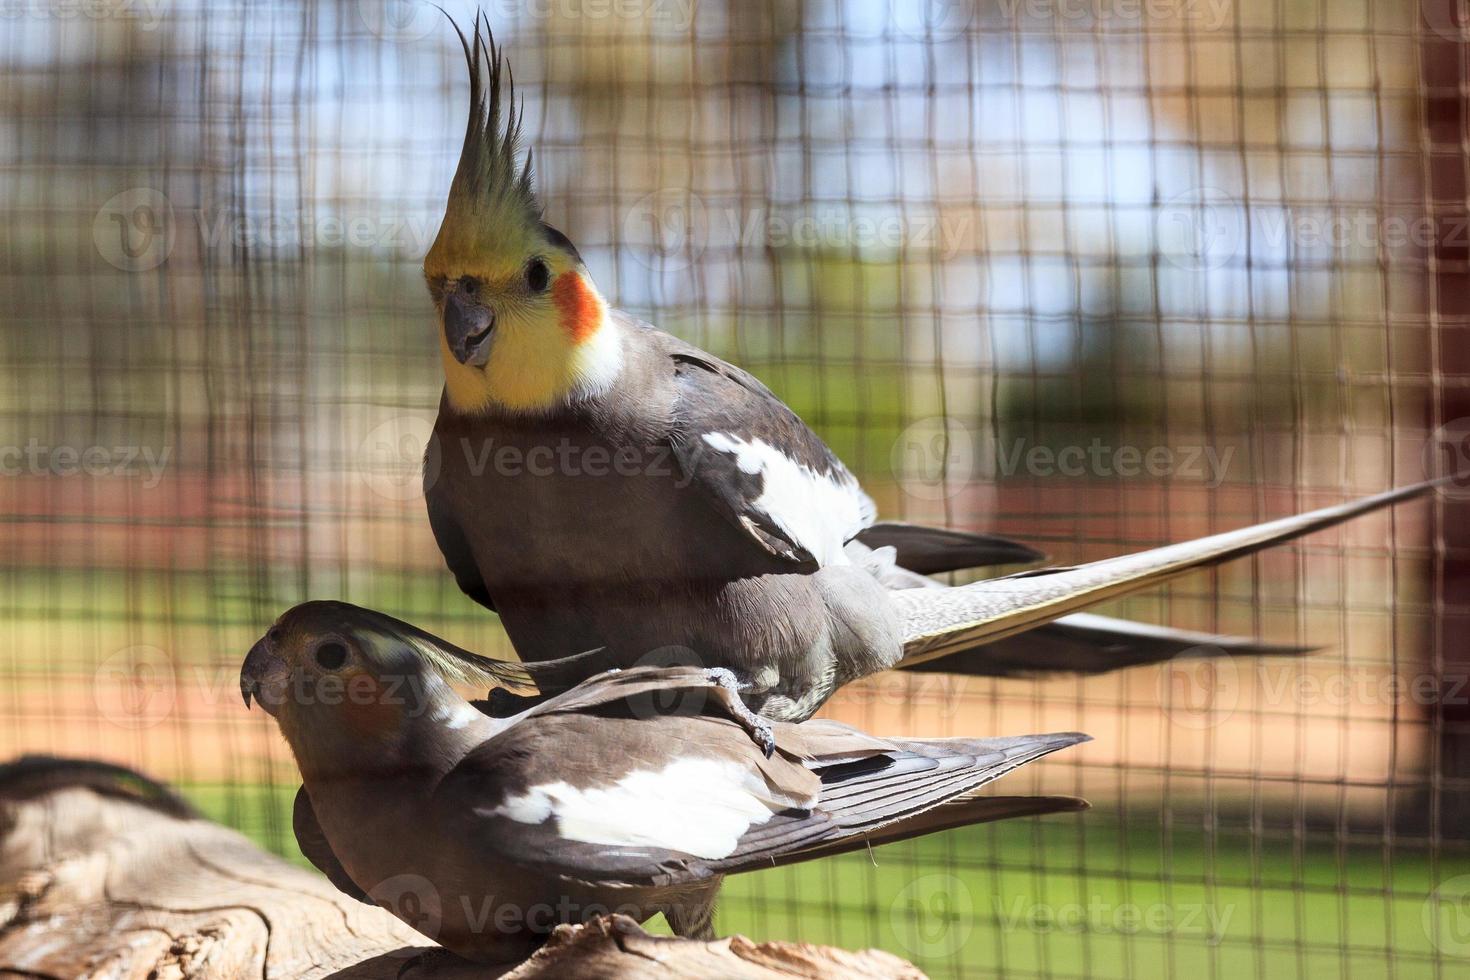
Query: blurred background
x,y
1098,274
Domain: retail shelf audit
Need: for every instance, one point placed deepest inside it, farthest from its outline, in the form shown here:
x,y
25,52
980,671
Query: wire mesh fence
x,y
1098,274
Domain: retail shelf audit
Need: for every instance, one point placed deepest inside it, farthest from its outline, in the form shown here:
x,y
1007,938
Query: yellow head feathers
x,y
524,328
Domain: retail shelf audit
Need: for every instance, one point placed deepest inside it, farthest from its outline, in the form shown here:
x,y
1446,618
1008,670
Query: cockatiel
x,y
605,486
593,801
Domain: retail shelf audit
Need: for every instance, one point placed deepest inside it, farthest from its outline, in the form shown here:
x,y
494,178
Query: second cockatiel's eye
x,y
331,655
538,276
469,286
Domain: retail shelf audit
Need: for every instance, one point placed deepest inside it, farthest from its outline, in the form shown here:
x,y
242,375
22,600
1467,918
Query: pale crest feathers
x,y
444,658
491,199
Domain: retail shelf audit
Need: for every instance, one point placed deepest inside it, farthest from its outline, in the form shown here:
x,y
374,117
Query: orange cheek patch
x,y
368,707
576,305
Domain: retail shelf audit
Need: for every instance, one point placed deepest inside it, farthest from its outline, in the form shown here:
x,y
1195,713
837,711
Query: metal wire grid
x,y
952,236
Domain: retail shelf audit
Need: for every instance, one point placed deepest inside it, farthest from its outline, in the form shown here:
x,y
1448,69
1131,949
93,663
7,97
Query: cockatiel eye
x,y
538,276
469,286
330,655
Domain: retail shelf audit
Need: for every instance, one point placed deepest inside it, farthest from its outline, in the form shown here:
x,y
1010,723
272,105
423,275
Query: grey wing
x,y
671,800
760,466
456,550
314,846
932,550
919,787
613,798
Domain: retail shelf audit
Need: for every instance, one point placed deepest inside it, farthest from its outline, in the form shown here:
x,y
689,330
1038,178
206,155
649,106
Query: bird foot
x,y
760,729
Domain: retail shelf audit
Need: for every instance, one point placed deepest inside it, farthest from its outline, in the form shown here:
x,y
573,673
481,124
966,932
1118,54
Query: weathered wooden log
x,y
104,873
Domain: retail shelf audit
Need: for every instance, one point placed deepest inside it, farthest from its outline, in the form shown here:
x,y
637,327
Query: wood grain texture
x,y
104,873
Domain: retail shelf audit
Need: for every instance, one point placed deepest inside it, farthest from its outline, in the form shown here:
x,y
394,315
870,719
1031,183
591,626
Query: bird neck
x,y
432,729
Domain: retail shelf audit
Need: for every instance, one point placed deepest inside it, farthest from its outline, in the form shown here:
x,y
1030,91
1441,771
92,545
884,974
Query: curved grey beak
x,y
468,325
264,676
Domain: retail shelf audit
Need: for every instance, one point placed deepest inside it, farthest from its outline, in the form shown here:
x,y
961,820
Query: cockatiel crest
x,y
492,206
524,327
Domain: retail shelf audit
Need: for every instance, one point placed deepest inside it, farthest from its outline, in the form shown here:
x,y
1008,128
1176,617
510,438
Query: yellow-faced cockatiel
x,y
635,792
606,487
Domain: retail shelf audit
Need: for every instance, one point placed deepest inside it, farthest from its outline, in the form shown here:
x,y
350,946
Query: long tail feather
x,y
1084,643
941,622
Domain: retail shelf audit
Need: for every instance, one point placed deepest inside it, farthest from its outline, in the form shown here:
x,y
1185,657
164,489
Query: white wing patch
x,y
697,806
820,512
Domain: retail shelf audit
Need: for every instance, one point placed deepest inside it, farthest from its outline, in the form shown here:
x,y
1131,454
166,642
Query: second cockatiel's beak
x,y
468,326
264,676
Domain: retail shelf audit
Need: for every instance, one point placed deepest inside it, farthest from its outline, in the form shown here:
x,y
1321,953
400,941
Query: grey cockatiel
x,y
605,486
485,833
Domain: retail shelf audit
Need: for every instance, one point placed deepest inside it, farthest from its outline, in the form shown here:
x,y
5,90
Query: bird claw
x,y
761,730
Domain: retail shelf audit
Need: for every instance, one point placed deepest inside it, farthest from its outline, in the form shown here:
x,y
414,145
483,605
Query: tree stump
x,y
105,873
